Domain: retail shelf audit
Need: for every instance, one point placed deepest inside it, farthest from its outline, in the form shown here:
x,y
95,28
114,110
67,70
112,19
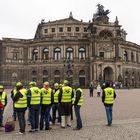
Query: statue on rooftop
x,y
101,11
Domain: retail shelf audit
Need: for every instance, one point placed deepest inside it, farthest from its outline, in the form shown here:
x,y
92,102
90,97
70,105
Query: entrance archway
x,y
108,74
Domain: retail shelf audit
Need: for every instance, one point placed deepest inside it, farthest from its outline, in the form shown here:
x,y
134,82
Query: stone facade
x,y
71,49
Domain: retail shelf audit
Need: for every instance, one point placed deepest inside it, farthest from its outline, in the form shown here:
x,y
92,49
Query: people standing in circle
x,y
91,88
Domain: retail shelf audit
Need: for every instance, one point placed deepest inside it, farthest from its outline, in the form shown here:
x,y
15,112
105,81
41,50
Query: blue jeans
x,y
34,116
78,117
45,116
55,108
1,116
109,114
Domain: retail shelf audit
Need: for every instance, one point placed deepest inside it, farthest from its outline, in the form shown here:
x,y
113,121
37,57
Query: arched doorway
x,y
108,74
82,78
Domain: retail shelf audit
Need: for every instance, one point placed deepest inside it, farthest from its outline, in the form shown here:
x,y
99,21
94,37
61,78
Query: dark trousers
x,y
21,119
109,114
78,117
45,116
34,116
55,108
91,93
14,114
1,116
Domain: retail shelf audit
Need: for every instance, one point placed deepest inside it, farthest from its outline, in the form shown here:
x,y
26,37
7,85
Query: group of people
x,y
39,102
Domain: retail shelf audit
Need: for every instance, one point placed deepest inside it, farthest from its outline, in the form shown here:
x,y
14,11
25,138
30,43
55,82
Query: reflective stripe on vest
x,y
66,94
22,102
46,96
2,98
80,102
109,95
35,96
56,96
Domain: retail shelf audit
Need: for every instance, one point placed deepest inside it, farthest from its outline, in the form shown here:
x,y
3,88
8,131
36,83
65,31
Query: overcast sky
x,y
19,18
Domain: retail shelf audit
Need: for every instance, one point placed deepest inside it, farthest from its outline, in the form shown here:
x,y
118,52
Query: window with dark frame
x,y
69,29
77,29
45,30
53,30
60,29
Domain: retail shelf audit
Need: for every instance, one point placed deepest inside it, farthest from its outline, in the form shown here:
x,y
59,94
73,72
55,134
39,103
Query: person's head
x,y
61,85
56,85
66,82
32,84
19,85
1,88
76,86
46,84
107,84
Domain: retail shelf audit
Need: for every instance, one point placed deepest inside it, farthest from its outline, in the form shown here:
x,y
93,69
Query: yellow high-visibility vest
x,y
66,94
56,96
35,96
2,98
81,100
22,102
46,96
109,95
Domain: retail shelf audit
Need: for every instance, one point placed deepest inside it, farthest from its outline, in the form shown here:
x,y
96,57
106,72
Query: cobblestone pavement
x,y
126,123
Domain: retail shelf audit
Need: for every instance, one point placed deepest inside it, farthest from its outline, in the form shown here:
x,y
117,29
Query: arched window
x,y
82,78
45,54
82,53
45,75
57,76
35,54
69,53
132,57
125,56
34,75
57,53
105,35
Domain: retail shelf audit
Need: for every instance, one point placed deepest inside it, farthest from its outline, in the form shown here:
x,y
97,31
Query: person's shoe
x,y
48,128
36,129
62,127
1,125
76,128
20,133
68,125
108,124
32,130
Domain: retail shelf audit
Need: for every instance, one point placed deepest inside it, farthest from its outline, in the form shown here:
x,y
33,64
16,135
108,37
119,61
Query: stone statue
x,y
101,11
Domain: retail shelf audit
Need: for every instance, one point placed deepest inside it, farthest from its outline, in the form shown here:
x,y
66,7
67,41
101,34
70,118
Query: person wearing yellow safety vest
x,y
65,99
13,92
77,101
20,106
34,101
55,106
3,103
108,96
46,103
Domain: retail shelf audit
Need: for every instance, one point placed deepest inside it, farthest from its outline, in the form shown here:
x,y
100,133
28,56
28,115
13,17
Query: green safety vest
x,y
109,95
56,96
46,96
66,94
80,102
35,96
22,102
2,98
